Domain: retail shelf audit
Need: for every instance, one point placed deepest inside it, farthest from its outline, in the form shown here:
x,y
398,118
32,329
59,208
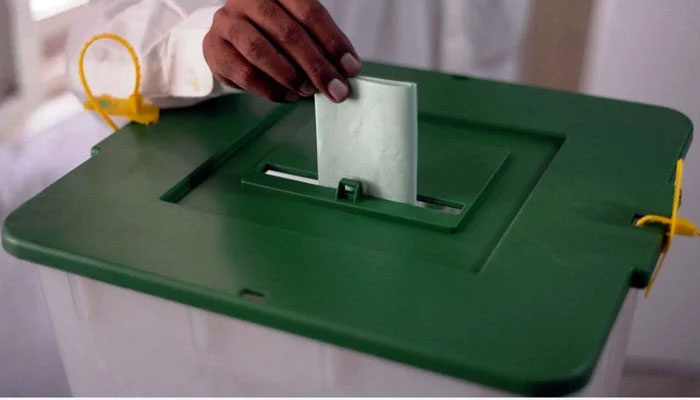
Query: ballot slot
x,y
290,176
428,211
448,207
452,208
439,205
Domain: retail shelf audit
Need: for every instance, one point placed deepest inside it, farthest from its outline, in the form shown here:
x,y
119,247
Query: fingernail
x,y
307,89
338,90
291,98
351,64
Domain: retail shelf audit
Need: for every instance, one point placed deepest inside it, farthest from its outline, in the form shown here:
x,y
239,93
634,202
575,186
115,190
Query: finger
x,y
316,19
296,42
229,66
258,50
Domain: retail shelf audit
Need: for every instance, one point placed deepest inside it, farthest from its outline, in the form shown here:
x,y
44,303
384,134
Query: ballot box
x,y
199,256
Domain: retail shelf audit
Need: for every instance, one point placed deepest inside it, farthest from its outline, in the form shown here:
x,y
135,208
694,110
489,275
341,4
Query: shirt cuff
x,y
189,73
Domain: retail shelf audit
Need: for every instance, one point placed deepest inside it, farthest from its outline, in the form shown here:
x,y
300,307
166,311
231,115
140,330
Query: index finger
x,y
318,22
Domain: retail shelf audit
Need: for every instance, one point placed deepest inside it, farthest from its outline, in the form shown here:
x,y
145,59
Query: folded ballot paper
x,y
372,137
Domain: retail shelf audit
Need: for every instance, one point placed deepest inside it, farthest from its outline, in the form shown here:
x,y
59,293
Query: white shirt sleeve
x,y
167,36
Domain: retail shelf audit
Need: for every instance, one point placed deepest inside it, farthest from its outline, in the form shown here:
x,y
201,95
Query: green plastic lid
x,y
510,274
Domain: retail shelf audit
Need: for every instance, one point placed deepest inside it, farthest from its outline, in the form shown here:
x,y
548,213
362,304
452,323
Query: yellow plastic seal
x,y
132,108
674,224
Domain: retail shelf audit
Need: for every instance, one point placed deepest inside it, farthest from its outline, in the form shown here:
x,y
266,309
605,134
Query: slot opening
x,y
431,203
291,174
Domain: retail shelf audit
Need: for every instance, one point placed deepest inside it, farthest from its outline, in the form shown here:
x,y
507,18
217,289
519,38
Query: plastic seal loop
x,y
674,225
132,108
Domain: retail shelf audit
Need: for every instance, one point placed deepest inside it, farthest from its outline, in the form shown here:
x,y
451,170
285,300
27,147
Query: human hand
x,y
281,50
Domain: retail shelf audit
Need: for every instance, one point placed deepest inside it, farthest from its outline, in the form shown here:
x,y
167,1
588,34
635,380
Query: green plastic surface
x,y
517,289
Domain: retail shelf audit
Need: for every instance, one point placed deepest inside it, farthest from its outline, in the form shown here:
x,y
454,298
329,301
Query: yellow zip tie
x,y
676,225
132,108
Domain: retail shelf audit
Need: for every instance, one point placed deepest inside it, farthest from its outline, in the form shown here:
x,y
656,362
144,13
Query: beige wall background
x,y
555,46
